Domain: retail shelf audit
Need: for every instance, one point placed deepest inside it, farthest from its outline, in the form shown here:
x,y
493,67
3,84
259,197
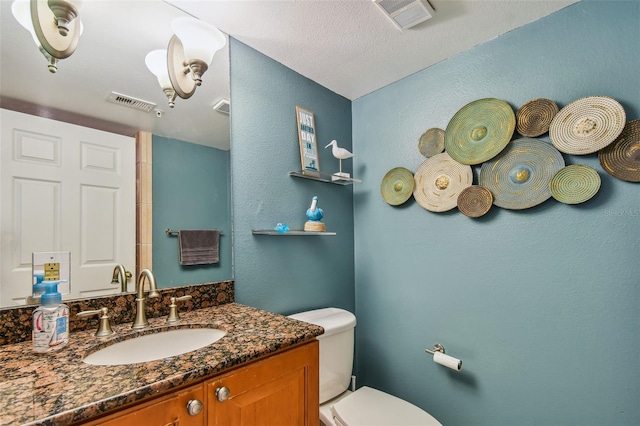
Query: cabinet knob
x,y
222,393
194,407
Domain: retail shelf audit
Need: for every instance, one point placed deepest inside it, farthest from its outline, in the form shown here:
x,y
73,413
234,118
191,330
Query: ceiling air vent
x,y
131,102
406,13
222,106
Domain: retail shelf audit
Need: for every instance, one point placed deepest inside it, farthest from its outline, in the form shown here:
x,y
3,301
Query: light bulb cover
x,y
156,61
21,10
199,39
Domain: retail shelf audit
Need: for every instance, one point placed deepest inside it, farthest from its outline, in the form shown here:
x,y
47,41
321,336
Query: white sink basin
x,y
151,347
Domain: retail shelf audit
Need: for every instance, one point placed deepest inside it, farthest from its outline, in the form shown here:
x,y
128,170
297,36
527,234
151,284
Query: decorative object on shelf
x,y
180,67
475,201
438,182
54,25
281,227
340,154
519,176
397,186
534,118
307,139
621,159
314,216
479,131
431,142
587,125
575,184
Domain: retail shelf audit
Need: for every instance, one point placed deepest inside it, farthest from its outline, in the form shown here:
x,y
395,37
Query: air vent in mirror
x,y
131,102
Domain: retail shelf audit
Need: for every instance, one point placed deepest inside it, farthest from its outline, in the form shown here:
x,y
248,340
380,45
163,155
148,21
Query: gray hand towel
x,y
199,246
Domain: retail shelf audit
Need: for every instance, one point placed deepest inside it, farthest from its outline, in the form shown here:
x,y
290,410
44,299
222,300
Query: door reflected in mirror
x,y
189,169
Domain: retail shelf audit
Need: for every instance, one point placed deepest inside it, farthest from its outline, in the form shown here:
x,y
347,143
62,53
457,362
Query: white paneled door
x,y
64,187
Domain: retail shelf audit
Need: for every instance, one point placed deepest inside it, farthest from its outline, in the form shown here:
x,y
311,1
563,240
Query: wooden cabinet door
x,y
282,390
170,410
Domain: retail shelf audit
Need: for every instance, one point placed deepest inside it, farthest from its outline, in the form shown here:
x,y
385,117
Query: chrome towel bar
x,y
170,231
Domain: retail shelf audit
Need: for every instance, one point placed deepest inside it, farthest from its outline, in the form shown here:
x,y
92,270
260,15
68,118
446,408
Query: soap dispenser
x,y
38,286
50,320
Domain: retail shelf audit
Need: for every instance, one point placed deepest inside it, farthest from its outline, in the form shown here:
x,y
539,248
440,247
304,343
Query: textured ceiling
x,y
350,47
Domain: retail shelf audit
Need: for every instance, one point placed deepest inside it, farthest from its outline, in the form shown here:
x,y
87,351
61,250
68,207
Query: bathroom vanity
x,y
265,367
281,389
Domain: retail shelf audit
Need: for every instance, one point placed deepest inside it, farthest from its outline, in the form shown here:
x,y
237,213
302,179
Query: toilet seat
x,y
371,407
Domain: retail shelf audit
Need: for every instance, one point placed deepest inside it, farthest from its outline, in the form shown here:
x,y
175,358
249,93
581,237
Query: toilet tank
x,y
336,348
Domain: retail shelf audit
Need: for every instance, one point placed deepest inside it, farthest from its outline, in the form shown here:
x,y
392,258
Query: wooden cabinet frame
x,y
281,389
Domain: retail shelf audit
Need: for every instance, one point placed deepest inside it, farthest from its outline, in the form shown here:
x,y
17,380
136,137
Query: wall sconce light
x,y
156,61
54,26
187,57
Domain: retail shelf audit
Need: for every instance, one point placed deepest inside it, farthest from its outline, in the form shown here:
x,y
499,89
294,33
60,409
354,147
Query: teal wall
x,y
191,185
279,273
542,305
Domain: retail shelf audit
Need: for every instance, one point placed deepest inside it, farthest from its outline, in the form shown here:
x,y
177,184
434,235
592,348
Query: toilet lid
x,y
371,407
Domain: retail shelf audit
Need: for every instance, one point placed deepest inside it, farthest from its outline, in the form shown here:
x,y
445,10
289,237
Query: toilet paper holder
x,y
436,348
441,358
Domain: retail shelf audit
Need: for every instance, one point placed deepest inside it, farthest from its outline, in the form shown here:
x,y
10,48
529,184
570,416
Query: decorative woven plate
x,y
479,131
397,186
575,184
475,201
439,180
431,142
621,159
519,177
534,118
587,125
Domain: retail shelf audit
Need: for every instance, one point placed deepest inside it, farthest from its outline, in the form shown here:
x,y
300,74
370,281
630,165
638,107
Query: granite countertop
x,y
57,388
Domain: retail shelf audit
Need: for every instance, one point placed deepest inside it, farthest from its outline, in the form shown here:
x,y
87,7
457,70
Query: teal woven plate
x,y
519,177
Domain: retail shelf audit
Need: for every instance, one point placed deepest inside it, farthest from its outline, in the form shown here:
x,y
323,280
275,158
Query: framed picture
x,y
307,140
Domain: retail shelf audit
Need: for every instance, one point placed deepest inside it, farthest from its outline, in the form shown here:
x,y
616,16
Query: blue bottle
x,y
50,320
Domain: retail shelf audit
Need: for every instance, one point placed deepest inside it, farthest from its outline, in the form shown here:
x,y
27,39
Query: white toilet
x,y
366,406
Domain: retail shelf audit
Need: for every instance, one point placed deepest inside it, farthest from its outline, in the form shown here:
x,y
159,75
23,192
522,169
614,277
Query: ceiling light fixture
x,y
179,69
54,26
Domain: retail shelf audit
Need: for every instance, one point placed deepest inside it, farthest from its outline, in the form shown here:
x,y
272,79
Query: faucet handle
x,y
173,307
104,329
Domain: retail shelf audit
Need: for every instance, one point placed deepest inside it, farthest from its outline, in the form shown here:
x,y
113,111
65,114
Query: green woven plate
x,y
397,186
575,184
479,131
519,177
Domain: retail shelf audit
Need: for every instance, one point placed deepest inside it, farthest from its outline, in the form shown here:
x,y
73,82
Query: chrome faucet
x,y
141,315
123,274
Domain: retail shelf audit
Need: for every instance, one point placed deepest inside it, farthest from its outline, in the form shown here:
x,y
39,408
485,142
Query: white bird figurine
x,y
339,153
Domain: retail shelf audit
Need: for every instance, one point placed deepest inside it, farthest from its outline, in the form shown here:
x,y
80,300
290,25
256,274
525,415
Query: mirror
x,y
110,59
